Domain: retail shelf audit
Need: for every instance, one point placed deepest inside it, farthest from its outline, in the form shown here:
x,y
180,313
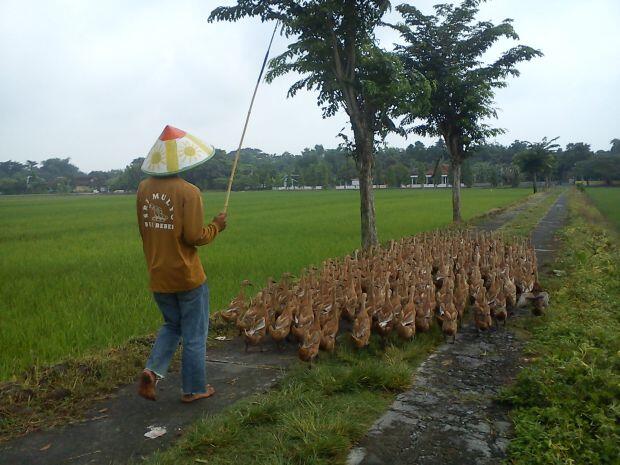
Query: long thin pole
x,y
247,120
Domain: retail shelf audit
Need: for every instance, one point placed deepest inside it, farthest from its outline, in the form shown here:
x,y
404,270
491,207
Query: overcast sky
x,y
97,81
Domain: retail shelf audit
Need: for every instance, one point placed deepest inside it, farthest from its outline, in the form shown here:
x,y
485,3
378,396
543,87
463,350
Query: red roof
x,y
443,169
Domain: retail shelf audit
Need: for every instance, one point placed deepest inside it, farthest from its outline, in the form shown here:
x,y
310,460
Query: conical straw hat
x,y
176,151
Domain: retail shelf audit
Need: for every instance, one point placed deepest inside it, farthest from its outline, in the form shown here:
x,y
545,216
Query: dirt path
x,y
448,416
114,431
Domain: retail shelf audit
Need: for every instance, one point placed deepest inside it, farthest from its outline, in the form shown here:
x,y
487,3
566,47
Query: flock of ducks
x,y
402,288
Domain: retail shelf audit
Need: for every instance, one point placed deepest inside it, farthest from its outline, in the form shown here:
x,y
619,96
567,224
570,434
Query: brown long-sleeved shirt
x,y
171,221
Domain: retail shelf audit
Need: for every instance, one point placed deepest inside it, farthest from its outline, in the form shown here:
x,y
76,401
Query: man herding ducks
x,y
401,288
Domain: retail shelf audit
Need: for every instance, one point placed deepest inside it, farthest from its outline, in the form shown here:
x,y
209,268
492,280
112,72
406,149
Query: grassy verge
x,y
62,393
312,416
565,404
526,220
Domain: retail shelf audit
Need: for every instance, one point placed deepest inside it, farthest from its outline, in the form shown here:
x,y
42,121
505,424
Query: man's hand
x,y
220,221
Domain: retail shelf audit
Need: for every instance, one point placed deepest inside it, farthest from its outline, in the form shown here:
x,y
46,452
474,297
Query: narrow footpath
x,y
449,400
449,417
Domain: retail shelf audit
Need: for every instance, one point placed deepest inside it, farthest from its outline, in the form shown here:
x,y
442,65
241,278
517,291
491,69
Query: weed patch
x,y
565,404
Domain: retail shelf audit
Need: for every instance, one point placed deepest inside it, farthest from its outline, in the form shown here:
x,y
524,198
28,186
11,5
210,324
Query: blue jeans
x,y
186,317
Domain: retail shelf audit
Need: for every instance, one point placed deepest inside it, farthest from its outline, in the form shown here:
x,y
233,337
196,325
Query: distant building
x,y
355,185
443,172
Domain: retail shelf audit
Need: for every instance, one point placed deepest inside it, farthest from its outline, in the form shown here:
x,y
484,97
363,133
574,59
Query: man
x,y
171,222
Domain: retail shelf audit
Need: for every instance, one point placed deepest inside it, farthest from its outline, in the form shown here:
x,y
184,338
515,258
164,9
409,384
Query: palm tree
x,y
537,158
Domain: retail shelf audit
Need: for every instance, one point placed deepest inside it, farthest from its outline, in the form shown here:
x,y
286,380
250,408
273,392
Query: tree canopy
x,y
538,159
334,50
447,48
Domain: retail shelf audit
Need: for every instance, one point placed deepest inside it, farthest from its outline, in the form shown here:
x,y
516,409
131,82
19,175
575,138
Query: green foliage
x,y
336,53
537,159
319,166
601,166
447,48
566,402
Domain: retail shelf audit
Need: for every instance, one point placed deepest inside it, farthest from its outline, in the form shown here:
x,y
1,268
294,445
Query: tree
x,y
615,146
130,176
603,167
447,49
53,168
336,52
568,158
537,159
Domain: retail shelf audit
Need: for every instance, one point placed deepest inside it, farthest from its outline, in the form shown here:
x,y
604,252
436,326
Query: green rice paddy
x,y
607,200
73,278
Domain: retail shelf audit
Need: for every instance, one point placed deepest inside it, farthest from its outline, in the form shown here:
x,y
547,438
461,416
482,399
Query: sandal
x,y
187,398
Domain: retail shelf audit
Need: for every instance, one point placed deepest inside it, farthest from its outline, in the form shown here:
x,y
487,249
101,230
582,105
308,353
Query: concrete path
x,y
497,221
449,416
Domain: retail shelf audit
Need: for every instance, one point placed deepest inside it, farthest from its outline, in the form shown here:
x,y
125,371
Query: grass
x,y
312,417
565,404
607,201
73,279
526,220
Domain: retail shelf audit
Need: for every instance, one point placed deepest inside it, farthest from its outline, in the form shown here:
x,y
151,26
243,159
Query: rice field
x,y
607,200
73,278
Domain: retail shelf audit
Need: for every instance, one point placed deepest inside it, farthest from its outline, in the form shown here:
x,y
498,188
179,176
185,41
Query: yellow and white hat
x,y
176,151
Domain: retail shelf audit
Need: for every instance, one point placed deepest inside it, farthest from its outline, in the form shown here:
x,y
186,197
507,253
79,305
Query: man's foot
x,y
146,388
187,398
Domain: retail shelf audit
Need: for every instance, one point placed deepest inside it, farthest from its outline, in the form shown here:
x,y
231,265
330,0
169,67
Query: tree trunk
x,y
367,197
534,182
455,149
456,192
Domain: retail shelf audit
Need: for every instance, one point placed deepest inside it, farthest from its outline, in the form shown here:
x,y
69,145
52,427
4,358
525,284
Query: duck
x,y
311,340
384,322
405,325
304,316
360,332
281,327
482,312
424,314
237,306
329,330
255,333
448,316
254,310
461,295
499,313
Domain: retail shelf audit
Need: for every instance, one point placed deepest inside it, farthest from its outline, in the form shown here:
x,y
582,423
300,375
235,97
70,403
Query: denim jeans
x,y
186,317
